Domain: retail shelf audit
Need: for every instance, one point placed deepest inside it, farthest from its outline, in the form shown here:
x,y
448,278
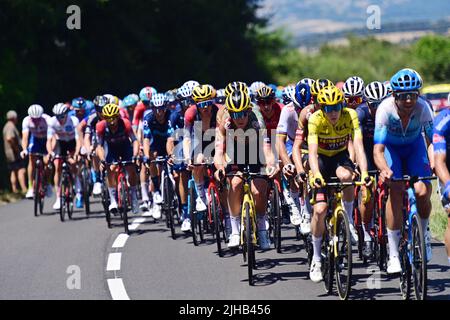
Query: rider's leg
x,y
199,176
112,183
235,194
346,175
366,210
31,166
318,227
259,191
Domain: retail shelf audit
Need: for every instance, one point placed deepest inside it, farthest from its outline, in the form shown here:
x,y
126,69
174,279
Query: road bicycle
x,y
39,184
412,247
198,218
66,188
86,183
105,196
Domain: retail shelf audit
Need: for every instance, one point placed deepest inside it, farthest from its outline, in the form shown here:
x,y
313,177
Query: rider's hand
x,y
317,181
219,174
190,167
170,160
366,179
102,165
272,171
288,171
24,154
386,175
301,177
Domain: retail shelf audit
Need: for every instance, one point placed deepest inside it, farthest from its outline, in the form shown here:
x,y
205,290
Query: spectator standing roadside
x,y
13,147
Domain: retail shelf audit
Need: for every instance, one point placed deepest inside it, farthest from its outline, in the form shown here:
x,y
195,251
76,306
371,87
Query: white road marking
x,y
120,240
117,289
114,261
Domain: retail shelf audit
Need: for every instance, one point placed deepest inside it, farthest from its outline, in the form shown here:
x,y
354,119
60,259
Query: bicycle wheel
x,y
172,205
37,188
327,263
201,225
62,198
359,231
192,214
105,203
85,175
249,244
419,259
276,215
405,274
215,214
343,260
382,236
69,198
124,203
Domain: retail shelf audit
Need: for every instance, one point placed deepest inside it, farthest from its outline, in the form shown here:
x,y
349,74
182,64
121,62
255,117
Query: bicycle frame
x,y
248,199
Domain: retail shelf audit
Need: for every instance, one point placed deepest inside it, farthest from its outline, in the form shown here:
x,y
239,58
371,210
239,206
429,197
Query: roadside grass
x,y
7,196
438,219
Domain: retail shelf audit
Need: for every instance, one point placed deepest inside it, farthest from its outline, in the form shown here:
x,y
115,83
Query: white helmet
x,y
158,100
220,93
307,81
184,92
289,93
35,111
375,91
255,86
59,109
353,87
191,84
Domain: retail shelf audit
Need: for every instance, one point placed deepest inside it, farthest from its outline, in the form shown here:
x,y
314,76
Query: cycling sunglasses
x,y
406,95
205,104
374,104
354,100
263,102
335,107
61,116
185,103
238,115
110,120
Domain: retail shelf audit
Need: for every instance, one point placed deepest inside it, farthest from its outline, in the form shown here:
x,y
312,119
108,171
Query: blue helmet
x,y
79,103
302,96
406,80
130,100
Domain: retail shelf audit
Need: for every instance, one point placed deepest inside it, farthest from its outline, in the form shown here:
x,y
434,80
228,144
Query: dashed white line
x,y
117,289
114,261
120,240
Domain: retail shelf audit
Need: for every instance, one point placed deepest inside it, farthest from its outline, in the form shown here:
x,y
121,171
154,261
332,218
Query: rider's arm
x,y
100,131
132,136
441,125
219,155
188,123
380,139
297,148
313,146
281,149
25,133
358,145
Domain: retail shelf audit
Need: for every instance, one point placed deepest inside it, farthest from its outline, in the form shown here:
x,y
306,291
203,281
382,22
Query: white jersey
x,y
288,123
64,132
37,128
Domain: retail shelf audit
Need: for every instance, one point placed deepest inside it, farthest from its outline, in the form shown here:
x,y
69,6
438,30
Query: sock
x,y
235,224
366,229
78,184
393,240
424,226
348,206
96,176
112,195
144,191
184,210
261,220
133,190
307,208
227,223
317,243
155,181
201,191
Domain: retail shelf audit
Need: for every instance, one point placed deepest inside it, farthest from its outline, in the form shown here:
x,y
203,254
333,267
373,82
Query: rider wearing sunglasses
x,y
353,89
400,149
245,129
374,93
269,107
329,132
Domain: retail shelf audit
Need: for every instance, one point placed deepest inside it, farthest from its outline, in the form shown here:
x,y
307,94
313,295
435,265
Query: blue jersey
x,y
153,130
441,134
367,124
176,123
388,125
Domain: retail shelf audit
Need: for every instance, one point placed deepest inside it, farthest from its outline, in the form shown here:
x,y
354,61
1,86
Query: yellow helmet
x,y
236,85
319,84
203,92
264,93
110,111
238,101
330,96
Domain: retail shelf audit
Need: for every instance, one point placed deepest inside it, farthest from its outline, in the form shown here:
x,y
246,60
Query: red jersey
x,y
272,122
120,139
138,113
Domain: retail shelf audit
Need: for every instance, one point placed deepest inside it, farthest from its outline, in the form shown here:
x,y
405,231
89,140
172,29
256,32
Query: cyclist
x,y
203,113
400,149
116,140
374,93
286,129
34,141
300,148
63,138
441,144
78,109
288,94
269,108
353,89
129,103
90,141
156,132
329,132
145,95
243,117
220,96
255,86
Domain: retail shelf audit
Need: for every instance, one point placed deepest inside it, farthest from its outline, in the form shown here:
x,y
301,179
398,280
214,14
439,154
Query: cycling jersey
x,y
138,114
157,132
38,127
287,126
302,128
389,128
367,123
64,132
441,134
333,139
176,125
117,144
272,122
90,123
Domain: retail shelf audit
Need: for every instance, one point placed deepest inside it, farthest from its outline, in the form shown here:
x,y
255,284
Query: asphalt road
x,y
43,258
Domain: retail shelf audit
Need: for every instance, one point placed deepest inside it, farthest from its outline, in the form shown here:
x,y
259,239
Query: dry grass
x,y
438,220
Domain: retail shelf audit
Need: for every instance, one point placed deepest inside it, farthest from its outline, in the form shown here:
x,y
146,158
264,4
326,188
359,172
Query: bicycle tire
x,y
276,217
62,200
105,203
327,264
405,274
69,199
37,188
215,214
343,282
86,190
419,259
201,225
124,204
249,244
381,236
359,231
193,214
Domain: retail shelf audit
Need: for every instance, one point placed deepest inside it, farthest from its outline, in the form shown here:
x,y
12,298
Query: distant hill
x,y
312,22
